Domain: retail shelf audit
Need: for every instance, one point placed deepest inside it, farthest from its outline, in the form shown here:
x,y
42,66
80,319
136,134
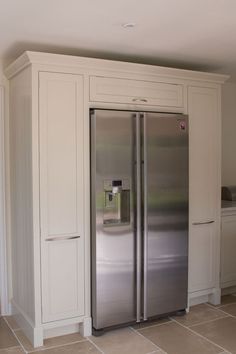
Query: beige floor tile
x,y
151,323
221,332
125,341
7,338
14,350
50,342
11,322
175,339
77,348
198,314
231,309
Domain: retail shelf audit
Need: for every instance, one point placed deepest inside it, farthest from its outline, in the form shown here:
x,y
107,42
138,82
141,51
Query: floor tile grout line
x,y
229,314
13,329
154,325
42,348
219,309
149,340
231,303
203,322
95,345
55,346
219,306
10,348
200,335
20,344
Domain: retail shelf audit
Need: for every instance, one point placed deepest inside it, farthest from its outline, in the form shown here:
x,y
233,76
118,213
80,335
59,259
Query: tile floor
x,y
206,329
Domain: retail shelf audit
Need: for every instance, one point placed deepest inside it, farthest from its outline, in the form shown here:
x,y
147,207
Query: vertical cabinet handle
x,y
145,226
138,216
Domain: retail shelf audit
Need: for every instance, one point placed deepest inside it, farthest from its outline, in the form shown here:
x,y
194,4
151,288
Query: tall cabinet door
x,y
204,203
61,195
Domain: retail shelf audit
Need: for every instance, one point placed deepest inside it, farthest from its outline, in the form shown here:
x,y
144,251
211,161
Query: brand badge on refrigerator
x,y
182,125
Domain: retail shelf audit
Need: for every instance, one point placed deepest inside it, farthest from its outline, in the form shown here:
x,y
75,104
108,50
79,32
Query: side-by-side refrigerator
x,y
139,208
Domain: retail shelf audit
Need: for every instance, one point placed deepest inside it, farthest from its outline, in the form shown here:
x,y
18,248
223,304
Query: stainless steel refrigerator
x,y
139,208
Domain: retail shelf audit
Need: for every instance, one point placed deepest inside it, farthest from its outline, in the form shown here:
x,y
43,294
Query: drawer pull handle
x,y
204,222
62,238
139,100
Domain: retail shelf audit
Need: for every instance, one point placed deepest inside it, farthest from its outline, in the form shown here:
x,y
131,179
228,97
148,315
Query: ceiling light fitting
x,y
129,25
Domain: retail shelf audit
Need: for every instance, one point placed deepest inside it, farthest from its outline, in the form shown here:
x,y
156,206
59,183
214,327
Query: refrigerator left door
x,y
112,206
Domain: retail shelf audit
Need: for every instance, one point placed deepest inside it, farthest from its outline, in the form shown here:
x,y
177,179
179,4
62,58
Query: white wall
x,y
229,134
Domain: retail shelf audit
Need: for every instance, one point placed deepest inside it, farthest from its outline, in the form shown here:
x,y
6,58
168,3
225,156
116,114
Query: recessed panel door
x,y
61,195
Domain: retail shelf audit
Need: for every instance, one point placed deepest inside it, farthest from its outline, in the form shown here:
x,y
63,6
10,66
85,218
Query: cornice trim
x,y
33,58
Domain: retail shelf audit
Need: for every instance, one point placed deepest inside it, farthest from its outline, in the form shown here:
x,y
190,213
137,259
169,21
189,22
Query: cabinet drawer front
x,y
62,279
116,90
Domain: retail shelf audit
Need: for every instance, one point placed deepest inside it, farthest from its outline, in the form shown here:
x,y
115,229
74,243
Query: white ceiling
x,y
195,34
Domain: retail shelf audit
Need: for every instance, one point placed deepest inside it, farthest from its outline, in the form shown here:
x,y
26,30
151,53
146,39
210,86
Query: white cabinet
x,y
228,250
117,90
50,99
62,279
204,138
201,257
61,195
204,187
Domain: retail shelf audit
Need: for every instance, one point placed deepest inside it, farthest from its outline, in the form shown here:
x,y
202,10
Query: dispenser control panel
x,y
116,201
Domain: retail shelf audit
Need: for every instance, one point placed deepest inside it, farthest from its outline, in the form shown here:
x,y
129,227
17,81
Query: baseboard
x,y
198,300
63,323
229,290
209,295
61,331
72,325
34,334
86,327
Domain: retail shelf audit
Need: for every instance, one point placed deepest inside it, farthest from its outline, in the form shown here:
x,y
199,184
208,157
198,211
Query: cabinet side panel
x,y
21,192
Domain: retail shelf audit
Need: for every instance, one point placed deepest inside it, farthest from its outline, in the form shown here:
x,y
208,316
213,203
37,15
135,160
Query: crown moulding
x,y
92,64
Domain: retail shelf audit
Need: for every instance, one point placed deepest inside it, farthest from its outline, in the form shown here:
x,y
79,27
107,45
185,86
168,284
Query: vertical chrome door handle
x,y
138,217
145,229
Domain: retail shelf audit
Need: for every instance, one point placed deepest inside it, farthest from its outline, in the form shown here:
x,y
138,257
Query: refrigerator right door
x,y
165,201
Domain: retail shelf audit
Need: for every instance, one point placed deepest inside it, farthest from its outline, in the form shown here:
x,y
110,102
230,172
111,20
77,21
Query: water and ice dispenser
x,y
116,202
